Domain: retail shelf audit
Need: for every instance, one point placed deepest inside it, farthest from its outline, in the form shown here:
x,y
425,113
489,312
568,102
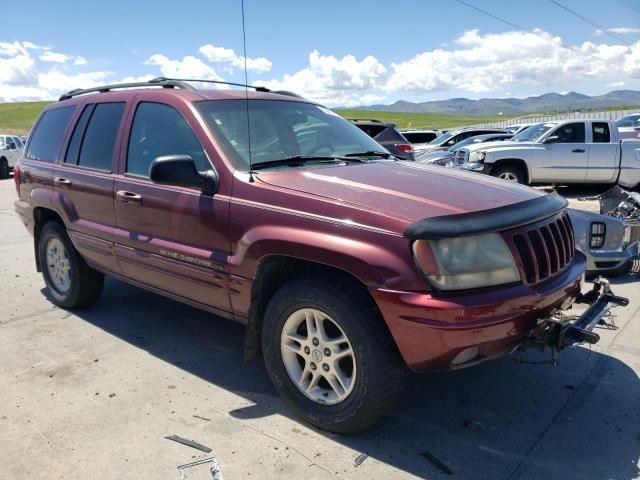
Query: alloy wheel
x,y
318,356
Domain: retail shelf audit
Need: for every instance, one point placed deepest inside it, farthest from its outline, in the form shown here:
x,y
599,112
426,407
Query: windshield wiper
x,y
296,161
371,153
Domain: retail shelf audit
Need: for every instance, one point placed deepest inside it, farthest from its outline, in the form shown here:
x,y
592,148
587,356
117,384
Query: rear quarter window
x,y
47,137
100,135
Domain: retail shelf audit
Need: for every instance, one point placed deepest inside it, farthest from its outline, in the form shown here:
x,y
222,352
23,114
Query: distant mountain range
x,y
549,102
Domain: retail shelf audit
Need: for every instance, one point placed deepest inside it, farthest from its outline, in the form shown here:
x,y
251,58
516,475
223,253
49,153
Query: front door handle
x,y
128,197
577,150
61,181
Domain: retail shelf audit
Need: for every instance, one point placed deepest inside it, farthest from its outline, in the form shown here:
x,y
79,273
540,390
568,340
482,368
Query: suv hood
x,y
405,191
506,145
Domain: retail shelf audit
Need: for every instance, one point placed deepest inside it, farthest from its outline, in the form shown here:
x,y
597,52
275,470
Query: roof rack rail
x,y
168,83
365,120
155,82
257,88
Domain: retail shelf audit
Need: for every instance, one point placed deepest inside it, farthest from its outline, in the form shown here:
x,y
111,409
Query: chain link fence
x,y
589,115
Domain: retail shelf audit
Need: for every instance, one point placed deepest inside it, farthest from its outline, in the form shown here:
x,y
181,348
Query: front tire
x,y
510,173
71,283
330,356
4,169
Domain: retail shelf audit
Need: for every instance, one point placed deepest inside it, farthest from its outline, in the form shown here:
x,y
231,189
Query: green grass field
x,y
18,118
415,120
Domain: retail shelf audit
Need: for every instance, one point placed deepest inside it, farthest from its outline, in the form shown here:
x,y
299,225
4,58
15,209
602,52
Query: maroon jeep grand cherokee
x,y
346,265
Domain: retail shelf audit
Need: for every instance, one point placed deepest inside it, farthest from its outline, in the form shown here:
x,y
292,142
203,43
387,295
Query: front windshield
x,y
465,142
442,139
281,129
532,133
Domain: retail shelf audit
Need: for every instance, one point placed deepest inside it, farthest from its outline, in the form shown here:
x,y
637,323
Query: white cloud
x,y
33,72
616,84
188,67
227,55
53,57
334,81
621,30
485,63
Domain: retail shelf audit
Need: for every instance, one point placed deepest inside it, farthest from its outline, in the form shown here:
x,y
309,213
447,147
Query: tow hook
x,y
560,330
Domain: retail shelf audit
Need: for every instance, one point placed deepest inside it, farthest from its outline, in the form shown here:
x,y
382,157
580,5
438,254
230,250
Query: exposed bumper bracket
x,y
560,331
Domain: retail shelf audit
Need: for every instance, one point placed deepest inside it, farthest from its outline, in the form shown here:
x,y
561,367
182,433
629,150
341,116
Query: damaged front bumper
x,y
560,331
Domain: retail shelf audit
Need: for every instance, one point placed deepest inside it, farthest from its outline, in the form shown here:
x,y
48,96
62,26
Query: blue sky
x,y
337,52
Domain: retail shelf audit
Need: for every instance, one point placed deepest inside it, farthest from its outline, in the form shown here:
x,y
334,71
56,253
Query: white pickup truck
x,y
11,148
568,151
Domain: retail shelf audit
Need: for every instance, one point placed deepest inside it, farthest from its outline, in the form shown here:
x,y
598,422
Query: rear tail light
x,y
405,147
16,178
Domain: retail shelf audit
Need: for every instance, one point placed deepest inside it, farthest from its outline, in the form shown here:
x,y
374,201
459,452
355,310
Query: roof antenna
x,y
246,90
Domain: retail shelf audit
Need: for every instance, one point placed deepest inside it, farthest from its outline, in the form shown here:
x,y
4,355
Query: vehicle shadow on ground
x,y
498,420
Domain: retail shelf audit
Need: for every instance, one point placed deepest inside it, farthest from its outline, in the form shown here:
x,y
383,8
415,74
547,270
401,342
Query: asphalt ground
x,y
92,394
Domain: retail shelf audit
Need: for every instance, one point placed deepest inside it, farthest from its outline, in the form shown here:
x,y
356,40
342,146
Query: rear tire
x,y
71,283
374,370
510,173
4,169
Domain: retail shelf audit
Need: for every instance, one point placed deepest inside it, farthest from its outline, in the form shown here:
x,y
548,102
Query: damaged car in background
x,y
610,239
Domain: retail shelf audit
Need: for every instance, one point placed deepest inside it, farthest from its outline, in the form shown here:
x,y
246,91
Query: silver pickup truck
x,y
568,151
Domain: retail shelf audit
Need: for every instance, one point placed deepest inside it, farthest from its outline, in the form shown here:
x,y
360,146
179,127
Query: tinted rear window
x,y
46,139
100,136
372,130
601,132
419,137
73,150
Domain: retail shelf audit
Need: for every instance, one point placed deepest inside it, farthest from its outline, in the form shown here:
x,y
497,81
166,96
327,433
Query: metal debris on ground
x,y
216,473
197,462
437,463
189,443
474,424
361,458
202,418
215,468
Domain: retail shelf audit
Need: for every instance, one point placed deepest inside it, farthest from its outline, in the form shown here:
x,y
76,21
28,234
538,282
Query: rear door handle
x,y
128,197
578,150
61,181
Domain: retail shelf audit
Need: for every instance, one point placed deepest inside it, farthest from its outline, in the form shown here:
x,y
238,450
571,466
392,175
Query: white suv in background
x,y
11,147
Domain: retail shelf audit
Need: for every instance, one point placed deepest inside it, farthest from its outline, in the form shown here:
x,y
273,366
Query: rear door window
x,y
160,130
601,133
100,135
48,135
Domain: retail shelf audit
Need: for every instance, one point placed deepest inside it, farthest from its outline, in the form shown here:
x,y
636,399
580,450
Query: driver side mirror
x,y
552,139
181,171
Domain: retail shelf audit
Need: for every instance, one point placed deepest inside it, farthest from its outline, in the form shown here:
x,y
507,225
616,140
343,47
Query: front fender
x,y
385,263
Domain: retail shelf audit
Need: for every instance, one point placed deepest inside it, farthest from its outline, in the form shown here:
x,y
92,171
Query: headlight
x,y
626,236
466,262
476,156
598,233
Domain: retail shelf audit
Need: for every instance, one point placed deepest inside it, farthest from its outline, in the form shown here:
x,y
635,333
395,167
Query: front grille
x,y
459,157
544,248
